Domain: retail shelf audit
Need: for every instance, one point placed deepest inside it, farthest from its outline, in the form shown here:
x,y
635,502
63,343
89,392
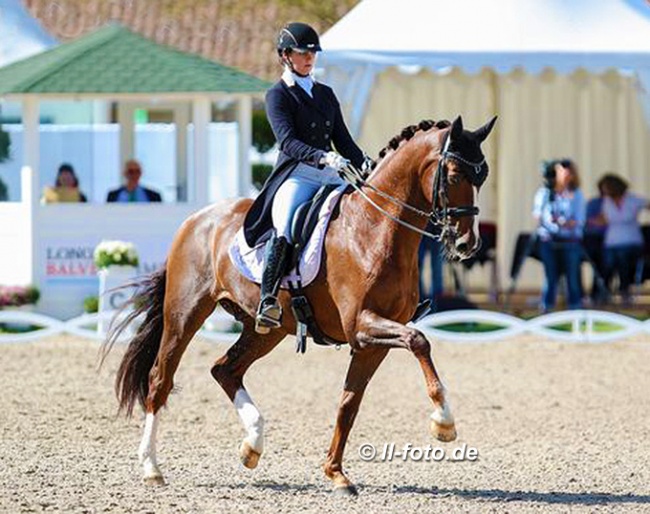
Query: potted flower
x,y
115,253
18,296
116,263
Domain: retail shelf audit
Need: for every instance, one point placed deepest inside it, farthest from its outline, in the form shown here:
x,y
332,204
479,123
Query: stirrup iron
x,y
269,315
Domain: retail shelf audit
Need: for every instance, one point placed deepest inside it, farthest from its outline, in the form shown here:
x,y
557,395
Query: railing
x,y
584,326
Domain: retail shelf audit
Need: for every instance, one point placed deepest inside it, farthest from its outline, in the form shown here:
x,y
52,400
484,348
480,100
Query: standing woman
x,y
306,119
560,214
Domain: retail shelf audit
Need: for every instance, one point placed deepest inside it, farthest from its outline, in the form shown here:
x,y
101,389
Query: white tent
x,y
567,78
20,34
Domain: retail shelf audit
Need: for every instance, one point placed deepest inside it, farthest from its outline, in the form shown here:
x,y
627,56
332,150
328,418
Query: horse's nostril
x,y
462,247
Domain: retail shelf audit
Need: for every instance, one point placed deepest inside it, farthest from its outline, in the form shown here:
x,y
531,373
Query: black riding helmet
x,y
298,36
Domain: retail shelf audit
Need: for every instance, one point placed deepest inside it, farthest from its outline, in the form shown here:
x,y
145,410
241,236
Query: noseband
x,y
440,214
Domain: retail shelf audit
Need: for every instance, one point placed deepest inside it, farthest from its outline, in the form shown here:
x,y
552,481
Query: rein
x,y
439,215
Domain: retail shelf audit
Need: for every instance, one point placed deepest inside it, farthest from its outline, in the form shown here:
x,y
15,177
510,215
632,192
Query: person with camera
x,y
559,209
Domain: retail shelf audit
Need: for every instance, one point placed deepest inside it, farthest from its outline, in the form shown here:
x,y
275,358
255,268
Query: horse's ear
x,y
456,128
483,132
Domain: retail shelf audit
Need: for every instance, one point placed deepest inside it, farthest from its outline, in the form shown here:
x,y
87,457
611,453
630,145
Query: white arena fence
x,y
220,327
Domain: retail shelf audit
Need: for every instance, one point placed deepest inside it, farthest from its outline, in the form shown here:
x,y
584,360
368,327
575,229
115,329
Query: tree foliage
x,y
263,137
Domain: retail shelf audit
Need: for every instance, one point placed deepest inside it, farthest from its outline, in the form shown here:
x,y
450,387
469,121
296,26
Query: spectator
x,y
433,248
66,187
594,235
559,209
132,191
623,244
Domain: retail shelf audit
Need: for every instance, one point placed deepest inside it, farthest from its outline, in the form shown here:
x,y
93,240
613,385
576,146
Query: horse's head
x,y
460,172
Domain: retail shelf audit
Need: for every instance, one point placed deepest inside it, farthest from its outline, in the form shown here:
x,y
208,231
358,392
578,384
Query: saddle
x,y
302,226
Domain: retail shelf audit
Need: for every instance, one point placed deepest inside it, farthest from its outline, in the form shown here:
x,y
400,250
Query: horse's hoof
x,y
248,456
154,480
346,490
444,433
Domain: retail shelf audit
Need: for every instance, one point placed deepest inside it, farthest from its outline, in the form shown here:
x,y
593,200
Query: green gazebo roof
x,y
115,60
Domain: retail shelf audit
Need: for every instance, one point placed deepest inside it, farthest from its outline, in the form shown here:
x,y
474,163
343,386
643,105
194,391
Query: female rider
x,y
306,119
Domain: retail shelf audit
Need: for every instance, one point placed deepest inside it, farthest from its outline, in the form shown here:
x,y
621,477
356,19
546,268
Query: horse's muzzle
x,y
467,246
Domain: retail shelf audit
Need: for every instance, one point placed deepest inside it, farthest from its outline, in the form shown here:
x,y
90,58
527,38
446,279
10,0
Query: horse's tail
x,y
132,380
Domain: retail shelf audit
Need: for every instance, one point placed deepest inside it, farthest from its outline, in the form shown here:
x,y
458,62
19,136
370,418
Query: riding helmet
x,y
298,36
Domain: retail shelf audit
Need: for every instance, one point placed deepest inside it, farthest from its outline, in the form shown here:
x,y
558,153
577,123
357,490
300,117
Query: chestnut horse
x,y
365,293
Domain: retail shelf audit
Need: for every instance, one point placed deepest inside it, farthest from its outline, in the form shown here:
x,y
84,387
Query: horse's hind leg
x,y
229,372
362,367
184,314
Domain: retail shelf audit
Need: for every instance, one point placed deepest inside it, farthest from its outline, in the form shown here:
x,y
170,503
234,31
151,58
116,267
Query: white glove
x,y
334,160
367,166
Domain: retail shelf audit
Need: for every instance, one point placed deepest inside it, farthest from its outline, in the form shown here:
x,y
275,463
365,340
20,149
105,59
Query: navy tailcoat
x,y
305,129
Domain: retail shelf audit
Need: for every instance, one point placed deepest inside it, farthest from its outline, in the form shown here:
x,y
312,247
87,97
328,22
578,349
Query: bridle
x,y
440,214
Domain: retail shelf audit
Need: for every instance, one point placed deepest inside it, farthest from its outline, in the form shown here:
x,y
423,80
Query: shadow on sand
x,y
492,495
552,497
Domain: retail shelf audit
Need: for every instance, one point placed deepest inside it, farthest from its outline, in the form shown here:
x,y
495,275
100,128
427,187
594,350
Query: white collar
x,y
289,78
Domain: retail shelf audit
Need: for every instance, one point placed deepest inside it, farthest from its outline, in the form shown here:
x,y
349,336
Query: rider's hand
x,y
334,160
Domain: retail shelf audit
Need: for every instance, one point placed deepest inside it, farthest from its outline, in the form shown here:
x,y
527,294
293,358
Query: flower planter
x,y
112,294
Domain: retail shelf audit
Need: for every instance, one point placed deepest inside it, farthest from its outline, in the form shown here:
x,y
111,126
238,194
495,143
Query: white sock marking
x,y
251,418
443,415
147,449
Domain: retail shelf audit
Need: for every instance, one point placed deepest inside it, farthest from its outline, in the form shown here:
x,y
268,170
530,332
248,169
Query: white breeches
x,y
302,184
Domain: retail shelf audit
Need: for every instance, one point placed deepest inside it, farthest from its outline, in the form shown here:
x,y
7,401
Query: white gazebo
x,y
117,66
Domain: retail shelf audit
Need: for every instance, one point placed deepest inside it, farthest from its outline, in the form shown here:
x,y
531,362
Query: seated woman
x,y
594,235
623,243
66,187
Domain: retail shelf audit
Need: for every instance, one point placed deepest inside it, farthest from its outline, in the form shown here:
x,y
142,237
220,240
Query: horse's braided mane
x,y
408,132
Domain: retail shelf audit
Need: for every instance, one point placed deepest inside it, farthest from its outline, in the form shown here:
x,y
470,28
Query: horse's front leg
x,y
363,365
375,331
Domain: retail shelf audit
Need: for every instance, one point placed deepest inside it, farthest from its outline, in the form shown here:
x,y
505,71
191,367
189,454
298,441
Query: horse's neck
x,y
398,176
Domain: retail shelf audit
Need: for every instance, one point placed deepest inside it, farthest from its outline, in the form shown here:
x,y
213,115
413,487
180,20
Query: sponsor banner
x,y
72,261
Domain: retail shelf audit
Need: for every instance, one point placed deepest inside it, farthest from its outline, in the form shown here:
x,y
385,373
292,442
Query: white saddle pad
x,y
250,261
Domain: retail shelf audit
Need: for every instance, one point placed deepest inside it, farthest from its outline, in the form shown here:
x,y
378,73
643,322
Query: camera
x,y
547,169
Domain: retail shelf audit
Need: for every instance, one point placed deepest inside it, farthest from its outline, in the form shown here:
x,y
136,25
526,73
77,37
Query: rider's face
x,y
303,62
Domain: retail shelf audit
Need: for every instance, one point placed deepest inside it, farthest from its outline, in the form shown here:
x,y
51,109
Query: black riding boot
x,y
269,313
